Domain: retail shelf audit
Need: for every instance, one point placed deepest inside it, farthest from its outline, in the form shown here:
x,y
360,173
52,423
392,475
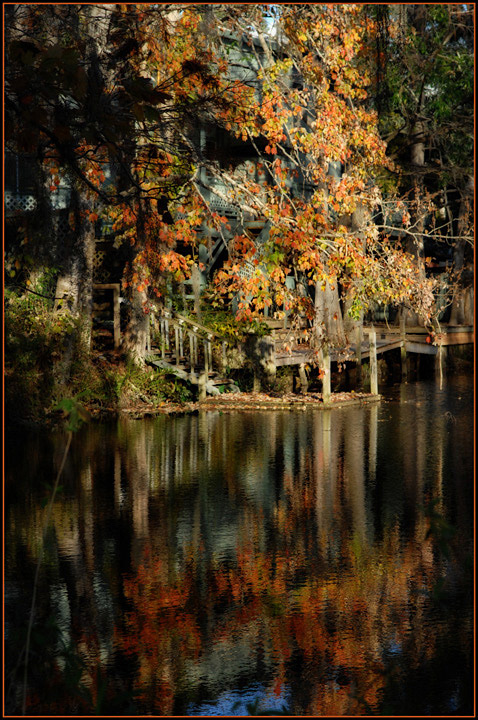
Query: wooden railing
x,y
182,337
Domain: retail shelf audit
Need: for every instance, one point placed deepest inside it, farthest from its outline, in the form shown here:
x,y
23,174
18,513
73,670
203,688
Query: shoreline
x,y
227,403
240,402
139,408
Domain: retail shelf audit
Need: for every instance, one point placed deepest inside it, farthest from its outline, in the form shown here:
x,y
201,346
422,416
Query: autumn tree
x,y
316,134
116,90
121,90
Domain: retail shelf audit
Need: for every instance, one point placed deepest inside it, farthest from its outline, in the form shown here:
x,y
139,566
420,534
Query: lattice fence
x,y
101,271
25,203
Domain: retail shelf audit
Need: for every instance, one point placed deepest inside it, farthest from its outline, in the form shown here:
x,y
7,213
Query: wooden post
x,y
206,357
403,349
202,380
162,330
373,362
116,317
176,344
209,351
304,383
181,340
326,382
224,356
166,327
358,353
191,350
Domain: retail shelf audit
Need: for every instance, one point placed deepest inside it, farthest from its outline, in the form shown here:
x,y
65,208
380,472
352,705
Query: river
x,y
315,562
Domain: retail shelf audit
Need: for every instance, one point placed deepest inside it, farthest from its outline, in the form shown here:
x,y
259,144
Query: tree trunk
x,y
356,222
459,315
135,340
328,322
417,17
415,242
350,324
74,289
468,306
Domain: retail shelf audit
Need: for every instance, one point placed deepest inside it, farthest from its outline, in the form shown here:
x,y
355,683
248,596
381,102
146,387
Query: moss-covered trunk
x,y
74,290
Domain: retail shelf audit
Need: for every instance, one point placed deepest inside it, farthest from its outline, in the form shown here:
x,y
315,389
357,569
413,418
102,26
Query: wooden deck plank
x,y
420,348
415,343
456,338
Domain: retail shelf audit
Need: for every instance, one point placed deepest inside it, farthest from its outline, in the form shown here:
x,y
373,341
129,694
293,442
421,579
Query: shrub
x,y
34,342
156,386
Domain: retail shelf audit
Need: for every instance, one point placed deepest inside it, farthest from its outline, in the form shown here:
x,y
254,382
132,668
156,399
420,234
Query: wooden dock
x,y
416,340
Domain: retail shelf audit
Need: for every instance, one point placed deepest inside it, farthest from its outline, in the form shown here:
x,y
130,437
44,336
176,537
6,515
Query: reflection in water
x,y
198,564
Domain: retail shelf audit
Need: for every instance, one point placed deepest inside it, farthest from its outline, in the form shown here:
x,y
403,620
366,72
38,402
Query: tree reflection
x,y
206,553
303,580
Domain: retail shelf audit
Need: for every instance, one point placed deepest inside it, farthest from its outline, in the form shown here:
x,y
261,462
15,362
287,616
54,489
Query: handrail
x,y
196,325
167,319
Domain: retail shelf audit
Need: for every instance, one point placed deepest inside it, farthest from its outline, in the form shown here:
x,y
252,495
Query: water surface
x,y
317,561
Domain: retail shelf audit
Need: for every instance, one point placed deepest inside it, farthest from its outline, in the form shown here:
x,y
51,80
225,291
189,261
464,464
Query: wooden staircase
x,y
185,348
215,383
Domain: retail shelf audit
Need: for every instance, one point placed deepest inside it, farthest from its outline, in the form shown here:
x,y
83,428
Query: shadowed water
x,y
309,562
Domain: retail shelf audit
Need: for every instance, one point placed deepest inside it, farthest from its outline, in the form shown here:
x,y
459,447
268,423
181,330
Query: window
x,y
20,173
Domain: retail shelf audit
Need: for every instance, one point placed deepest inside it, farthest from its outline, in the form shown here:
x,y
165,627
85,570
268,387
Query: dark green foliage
x,y
34,341
158,386
36,388
425,68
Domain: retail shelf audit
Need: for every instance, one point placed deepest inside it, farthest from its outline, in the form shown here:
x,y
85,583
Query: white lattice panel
x,y
25,203
246,271
101,272
248,268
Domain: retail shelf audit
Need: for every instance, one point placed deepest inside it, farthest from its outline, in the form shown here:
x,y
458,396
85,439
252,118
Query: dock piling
x,y
403,349
304,383
358,353
326,384
373,362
